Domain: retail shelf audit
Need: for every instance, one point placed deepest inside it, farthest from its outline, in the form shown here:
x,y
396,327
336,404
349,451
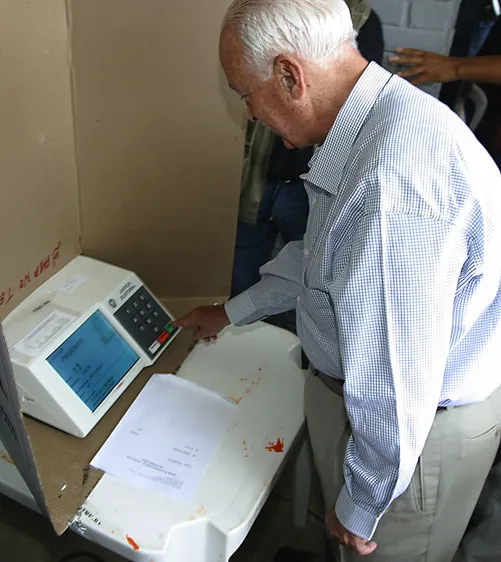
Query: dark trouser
x,y
283,210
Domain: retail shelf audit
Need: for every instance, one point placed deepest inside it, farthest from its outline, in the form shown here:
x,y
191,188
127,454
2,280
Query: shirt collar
x,y
328,161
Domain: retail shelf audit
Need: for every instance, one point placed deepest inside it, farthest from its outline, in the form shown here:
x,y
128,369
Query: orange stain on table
x,y
246,392
202,510
132,542
8,459
277,447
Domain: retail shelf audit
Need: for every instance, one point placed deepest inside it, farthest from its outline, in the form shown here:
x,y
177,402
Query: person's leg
x,y
427,521
254,244
481,429
290,210
370,39
290,215
252,250
329,431
482,541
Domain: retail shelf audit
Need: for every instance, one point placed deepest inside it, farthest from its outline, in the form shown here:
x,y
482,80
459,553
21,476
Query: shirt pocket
x,y
326,268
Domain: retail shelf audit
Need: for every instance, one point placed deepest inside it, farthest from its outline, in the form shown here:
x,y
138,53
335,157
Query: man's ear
x,y
290,75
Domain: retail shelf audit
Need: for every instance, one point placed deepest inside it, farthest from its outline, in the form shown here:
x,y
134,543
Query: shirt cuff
x,y
240,308
354,518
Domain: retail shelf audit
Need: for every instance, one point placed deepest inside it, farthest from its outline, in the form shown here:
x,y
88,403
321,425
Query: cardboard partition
x,y
39,221
120,139
159,141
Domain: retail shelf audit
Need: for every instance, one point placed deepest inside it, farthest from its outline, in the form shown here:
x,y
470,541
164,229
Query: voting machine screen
x,y
80,339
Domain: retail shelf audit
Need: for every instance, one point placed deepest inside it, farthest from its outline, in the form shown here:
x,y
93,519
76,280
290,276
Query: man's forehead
x,y
235,76
237,73
234,62
231,49
229,37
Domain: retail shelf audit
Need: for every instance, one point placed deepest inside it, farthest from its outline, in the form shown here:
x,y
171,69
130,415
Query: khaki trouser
x,y
426,523
482,542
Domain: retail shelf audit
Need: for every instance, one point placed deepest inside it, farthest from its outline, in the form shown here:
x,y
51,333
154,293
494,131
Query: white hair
x,y
315,30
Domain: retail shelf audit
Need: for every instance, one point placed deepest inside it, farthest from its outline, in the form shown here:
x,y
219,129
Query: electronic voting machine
x,y
80,339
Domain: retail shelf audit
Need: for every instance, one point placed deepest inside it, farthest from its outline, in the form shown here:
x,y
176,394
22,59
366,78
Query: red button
x,y
163,336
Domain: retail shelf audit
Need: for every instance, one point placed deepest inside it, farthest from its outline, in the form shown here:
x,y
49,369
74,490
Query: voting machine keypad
x,y
146,321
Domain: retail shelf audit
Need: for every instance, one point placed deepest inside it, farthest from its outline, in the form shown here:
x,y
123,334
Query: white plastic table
x,y
259,367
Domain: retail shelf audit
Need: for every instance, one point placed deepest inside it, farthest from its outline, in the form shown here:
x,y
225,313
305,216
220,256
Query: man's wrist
x,y
466,68
224,315
353,518
456,69
239,308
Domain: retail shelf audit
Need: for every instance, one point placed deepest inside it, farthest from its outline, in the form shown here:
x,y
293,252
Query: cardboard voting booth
x,y
120,141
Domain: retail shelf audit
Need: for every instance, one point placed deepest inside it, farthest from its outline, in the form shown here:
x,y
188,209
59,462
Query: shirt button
x,y
306,252
314,200
298,299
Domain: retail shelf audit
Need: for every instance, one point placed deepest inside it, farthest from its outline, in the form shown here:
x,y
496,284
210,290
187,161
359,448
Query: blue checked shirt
x,y
397,282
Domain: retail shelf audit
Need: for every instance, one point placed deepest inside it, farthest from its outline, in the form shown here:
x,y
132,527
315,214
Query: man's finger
x,y
414,71
184,322
357,544
407,59
408,51
363,549
417,80
202,333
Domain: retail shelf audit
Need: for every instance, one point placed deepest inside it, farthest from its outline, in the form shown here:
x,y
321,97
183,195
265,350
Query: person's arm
x,y
479,69
276,292
394,311
432,67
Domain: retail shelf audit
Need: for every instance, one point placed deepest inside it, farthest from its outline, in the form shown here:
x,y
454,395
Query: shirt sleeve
x,y
276,292
394,309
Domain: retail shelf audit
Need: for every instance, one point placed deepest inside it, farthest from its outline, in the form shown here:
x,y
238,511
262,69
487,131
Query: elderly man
x,y
272,197
397,284
481,542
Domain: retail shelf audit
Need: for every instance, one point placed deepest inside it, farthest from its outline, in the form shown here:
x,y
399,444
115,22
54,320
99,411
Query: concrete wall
x,y
419,24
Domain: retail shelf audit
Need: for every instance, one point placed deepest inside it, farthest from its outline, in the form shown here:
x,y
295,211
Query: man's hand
x,y
206,322
336,531
425,66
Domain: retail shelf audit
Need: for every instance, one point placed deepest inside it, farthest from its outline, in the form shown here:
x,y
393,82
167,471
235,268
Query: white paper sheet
x,y
168,437
37,338
73,283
